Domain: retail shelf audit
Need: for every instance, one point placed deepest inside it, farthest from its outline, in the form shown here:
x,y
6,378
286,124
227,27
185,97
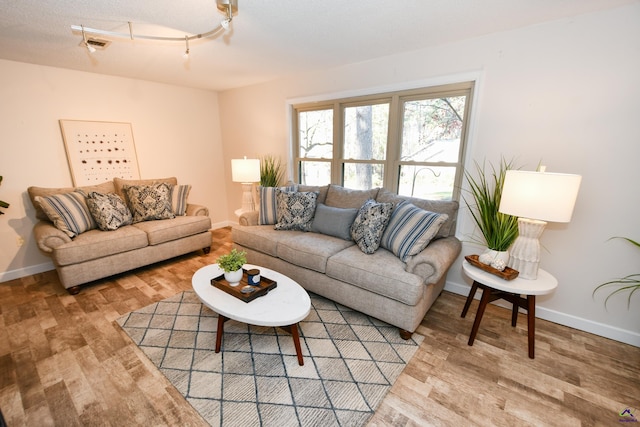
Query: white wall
x,y
176,132
565,93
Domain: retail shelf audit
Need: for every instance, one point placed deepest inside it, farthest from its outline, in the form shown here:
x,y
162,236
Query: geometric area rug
x,y
350,362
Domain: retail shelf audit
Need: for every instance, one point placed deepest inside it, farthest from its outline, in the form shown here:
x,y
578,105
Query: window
x,y
411,141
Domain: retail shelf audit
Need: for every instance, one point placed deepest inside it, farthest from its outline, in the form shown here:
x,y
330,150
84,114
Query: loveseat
x,y
395,283
97,231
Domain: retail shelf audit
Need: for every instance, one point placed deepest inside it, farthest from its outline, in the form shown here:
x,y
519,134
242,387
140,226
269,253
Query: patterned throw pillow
x,y
268,214
410,230
295,209
108,210
369,225
150,202
68,212
179,196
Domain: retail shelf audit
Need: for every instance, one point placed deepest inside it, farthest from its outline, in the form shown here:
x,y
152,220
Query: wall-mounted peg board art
x,y
99,151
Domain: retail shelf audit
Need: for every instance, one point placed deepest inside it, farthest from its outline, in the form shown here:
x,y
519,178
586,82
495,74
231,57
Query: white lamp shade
x,y
245,170
539,195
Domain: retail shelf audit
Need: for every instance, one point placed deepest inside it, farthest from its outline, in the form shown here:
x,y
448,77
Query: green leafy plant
x,y
630,283
271,171
232,261
499,230
3,204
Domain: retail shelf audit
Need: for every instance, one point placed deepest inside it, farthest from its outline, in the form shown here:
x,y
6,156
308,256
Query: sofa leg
x,y
405,335
206,250
74,290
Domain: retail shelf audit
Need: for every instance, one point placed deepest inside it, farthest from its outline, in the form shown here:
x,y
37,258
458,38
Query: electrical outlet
x,y
19,241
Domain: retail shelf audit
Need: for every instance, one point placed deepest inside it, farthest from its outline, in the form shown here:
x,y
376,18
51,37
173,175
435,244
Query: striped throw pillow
x,y
179,196
268,214
410,230
68,212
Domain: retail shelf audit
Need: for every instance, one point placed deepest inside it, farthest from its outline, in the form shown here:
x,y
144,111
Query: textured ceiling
x,y
269,39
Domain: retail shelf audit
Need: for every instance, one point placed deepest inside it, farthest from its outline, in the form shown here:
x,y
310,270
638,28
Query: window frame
x,y
392,163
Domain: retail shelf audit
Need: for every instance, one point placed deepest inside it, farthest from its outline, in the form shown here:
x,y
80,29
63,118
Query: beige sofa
x,y
95,254
379,284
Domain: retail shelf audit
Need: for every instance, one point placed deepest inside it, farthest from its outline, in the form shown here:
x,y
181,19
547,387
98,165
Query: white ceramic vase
x,y
233,277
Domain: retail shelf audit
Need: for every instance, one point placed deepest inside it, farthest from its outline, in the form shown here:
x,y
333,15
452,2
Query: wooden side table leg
x,y
514,313
486,295
221,320
531,326
472,293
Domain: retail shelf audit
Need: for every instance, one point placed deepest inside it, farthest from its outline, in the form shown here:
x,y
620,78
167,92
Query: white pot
x,y
233,277
491,256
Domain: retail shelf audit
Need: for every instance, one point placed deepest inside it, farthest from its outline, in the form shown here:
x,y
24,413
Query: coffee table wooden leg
x,y
296,342
486,296
472,293
531,319
221,320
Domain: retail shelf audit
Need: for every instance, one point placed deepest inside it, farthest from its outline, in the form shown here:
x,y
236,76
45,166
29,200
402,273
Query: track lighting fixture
x,y
90,48
186,52
228,7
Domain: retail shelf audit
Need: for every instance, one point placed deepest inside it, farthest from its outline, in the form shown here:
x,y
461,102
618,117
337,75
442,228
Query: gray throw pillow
x,y
333,221
295,209
369,225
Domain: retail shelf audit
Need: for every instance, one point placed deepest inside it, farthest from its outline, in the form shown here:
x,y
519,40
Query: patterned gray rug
x,y
350,362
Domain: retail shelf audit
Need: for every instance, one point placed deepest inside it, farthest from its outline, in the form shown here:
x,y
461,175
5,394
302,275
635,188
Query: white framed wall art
x,y
99,151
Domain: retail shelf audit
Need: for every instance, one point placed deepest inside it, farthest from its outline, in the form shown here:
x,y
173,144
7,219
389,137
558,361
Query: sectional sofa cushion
x,y
369,225
108,210
165,231
33,191
295,209
310,250
341,197
410,230
68,212
381,273
333,221
96,244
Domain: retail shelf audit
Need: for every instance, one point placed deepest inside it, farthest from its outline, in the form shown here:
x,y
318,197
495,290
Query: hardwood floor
x,y
64,362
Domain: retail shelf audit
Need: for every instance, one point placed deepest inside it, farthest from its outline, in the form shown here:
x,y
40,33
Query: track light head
x,y
186,52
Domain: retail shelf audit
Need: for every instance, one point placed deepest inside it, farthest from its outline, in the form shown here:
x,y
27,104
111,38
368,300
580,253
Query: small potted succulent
x,y
231,264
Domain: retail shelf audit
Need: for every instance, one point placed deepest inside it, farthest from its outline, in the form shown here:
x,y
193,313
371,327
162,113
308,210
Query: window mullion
x,y
393,146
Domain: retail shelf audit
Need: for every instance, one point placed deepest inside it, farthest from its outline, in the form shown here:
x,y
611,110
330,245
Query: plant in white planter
x,y
231,264
630,283
498,230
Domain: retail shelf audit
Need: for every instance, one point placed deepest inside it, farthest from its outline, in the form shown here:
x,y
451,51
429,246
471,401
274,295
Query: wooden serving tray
x,y
263,288
507,274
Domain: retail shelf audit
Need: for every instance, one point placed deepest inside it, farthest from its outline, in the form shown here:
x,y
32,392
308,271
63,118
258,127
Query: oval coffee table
x,y
283,307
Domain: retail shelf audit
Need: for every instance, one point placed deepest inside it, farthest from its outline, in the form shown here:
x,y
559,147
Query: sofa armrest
x,y
434,261
248,218
196,210
48,237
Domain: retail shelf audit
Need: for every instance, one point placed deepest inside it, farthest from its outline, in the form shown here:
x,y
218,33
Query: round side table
x,y
494,288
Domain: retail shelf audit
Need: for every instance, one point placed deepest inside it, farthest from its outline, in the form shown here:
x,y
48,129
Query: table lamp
x,y
535,198
246,171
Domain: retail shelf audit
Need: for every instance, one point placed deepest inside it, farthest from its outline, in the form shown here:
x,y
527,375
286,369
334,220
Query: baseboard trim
x,y
27,271
586,325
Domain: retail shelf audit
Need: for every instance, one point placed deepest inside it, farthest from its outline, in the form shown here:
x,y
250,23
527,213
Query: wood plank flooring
x,y
64,362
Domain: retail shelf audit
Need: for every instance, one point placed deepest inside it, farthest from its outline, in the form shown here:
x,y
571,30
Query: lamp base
x,y
524,254
248,204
